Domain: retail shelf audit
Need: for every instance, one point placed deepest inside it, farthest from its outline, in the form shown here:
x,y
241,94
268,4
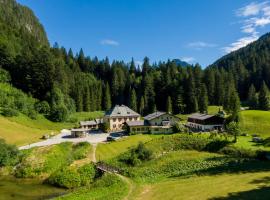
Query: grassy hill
x,y
21,130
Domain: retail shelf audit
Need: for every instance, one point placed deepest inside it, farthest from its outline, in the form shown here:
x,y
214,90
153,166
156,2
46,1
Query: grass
x,y
113,149
256,122
87,115
21,130
246,142
225,186
106,188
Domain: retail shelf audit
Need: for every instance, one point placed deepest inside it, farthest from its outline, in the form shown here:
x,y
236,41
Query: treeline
x,y
250,68
65,82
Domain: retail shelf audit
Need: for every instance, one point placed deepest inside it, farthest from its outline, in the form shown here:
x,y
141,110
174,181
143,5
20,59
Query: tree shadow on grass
x,y
236,166
261,193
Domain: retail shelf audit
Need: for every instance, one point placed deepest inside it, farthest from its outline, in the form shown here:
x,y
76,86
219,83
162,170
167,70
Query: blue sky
x,y
193,30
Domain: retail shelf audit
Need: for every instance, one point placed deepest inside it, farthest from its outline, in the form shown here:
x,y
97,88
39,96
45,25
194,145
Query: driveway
x,y
65,136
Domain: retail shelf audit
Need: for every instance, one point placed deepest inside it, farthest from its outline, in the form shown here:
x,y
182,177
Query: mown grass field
x,y
248,186
256,122
21,130
113,149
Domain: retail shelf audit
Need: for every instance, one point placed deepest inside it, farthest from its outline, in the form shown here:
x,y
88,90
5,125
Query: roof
x,y
137,123
154,115
121,111
92,122
200,116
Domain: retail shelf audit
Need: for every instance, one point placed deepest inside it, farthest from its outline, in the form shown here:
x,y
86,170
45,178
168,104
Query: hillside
x,y
19,27
250,64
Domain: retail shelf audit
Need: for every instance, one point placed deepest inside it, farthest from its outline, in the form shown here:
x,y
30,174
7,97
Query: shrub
x,y
42,107
66,178
87,174
105,127
238,152
9,112
59,113
9,154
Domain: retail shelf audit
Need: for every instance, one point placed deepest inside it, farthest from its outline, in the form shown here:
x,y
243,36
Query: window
x,y
119,119
138,129
119,126
114,126
114,120
156,129
130,119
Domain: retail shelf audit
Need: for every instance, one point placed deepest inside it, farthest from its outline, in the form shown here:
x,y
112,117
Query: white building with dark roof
x,y
205,122
157,122
120,115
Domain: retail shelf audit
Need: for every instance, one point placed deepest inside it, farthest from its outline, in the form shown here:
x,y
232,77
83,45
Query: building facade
x,y
119,116
155,123
205,122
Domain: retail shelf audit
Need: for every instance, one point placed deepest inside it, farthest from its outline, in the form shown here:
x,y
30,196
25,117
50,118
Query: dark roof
x,y
137,123
121,111
92,122
154,115
200,116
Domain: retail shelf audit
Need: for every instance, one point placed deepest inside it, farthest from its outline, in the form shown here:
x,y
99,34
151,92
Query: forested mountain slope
x,y
249,65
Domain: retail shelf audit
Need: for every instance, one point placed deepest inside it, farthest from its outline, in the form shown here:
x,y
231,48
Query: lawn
x,y
250,186
256,122
112,149
21,130
246,142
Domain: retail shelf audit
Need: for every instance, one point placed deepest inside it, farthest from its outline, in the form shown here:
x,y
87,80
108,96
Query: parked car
x,y
257,139
114,136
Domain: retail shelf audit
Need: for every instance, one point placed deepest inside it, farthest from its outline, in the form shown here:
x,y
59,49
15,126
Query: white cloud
x,y
200,45
255,15
109,42
242,42
188,59
251,9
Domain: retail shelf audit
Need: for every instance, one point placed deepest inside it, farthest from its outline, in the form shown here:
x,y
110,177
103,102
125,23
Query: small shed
x,y
78,133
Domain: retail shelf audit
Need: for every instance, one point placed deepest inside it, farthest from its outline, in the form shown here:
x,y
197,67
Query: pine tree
x,y
107,103
234,105
142,105
133,100
203,99
264,103
169,105
252,97
87,100
192,102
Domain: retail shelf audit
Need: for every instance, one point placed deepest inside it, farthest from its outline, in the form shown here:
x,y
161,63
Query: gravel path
x,y
64,136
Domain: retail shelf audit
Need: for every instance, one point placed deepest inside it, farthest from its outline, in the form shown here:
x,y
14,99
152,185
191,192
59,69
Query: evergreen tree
x,y
203,99
191,102
169,105
107,103
252,97
142,105
264,103
133,100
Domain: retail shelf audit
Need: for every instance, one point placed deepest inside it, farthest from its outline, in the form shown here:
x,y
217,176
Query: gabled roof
x,y
154,115
92,122
200,116
121,111
137,123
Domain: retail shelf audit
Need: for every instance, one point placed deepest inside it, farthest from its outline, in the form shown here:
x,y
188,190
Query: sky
x,y
195,31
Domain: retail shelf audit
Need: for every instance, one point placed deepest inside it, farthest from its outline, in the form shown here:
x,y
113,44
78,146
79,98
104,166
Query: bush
x,y
59,113
137,155
87,174
9,112
238,152
105,127
9,154
42,107
66,178
72,178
